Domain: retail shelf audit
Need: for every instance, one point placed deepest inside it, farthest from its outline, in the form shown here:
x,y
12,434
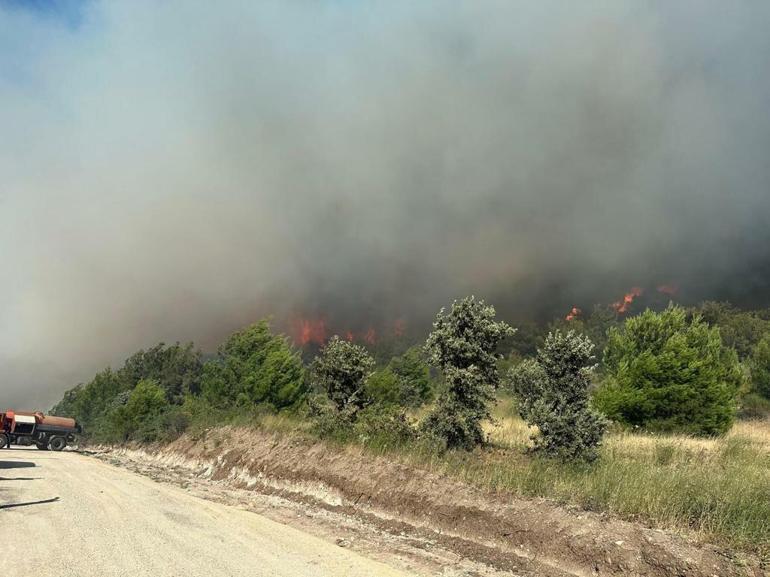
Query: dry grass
x,y
716,489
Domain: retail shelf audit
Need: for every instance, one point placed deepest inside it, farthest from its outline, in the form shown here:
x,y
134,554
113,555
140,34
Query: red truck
x,y
45,432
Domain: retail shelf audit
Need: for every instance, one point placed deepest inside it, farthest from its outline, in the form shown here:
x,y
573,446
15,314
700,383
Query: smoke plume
x,y
175,170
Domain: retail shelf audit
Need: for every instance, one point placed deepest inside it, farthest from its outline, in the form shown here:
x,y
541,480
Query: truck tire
x,y
57,443
42,446
3,440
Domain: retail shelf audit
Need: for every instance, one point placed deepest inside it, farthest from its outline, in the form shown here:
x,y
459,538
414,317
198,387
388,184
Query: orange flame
x,y
573,314
399,328
370,336
622,306
668,289
306,331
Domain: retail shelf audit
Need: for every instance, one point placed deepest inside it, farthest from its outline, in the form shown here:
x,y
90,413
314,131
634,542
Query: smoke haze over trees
x,y
173,171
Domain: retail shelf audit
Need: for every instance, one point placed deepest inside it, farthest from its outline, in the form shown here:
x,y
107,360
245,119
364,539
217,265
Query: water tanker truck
x,y
43,431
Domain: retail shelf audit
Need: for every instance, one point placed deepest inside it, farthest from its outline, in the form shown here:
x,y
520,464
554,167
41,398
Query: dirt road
x,y
70,515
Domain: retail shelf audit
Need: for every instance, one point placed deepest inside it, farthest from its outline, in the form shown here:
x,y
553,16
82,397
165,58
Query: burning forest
x,y
501,238
554,162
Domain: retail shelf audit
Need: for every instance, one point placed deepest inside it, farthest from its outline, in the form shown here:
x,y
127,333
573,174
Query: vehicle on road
x,y
43,431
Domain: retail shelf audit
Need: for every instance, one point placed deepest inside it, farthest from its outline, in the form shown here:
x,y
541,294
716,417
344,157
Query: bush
x,y
383,426
753,406
341,371
405,381
383,387
413,375
670,372
328,422
760,368
741,330
463,345
553,395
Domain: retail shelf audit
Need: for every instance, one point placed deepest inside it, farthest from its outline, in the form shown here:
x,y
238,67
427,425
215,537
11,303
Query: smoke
x,y
175,170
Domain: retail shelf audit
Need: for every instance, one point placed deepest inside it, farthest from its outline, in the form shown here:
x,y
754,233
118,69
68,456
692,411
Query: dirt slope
x,y
73,516
505,532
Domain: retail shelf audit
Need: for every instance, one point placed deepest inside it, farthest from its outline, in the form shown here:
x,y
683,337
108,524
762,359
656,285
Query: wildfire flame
x,y
307,331
573,314
622,306
668,289
316,331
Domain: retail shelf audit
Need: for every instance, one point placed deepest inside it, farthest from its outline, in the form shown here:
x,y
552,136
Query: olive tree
x,y
341,370
553,394
463,346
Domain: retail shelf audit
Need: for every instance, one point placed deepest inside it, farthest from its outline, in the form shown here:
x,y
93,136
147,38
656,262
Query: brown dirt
x,y
533,537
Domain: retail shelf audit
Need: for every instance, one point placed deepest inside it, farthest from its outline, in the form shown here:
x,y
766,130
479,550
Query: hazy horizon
x,y
173,171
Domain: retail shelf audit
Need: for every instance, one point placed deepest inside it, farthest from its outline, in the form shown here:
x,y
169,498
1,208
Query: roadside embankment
x,y
495,528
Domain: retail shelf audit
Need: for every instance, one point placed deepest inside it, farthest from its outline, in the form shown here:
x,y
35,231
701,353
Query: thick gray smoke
x,y
174,170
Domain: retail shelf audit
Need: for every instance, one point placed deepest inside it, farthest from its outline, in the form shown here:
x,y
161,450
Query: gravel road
x,y
67,514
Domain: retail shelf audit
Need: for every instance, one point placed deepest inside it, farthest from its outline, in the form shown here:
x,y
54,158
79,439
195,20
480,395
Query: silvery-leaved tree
x,y
463,346
552,390
341,371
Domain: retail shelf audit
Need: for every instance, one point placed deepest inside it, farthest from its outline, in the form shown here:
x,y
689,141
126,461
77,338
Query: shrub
x,y
341,370
553,395
760,368
383,387
328,422
741,330
405,381
413,376
383,426
670,372
463,345
754,406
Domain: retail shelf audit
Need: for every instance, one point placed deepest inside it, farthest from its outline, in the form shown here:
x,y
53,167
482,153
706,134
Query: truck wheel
x,y
42,446
58,443
3,440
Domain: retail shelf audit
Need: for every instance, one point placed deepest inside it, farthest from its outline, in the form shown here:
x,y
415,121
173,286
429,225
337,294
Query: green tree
x,y
137,417
176,368
341,370
255,366
463,346
405,381
88,403
553,395
760,368
741,330
383,387
595,325
670,372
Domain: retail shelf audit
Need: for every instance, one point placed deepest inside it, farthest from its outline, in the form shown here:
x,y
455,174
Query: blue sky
x,y
70,12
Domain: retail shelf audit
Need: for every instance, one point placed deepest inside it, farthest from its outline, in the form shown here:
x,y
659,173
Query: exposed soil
x,y
433,522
